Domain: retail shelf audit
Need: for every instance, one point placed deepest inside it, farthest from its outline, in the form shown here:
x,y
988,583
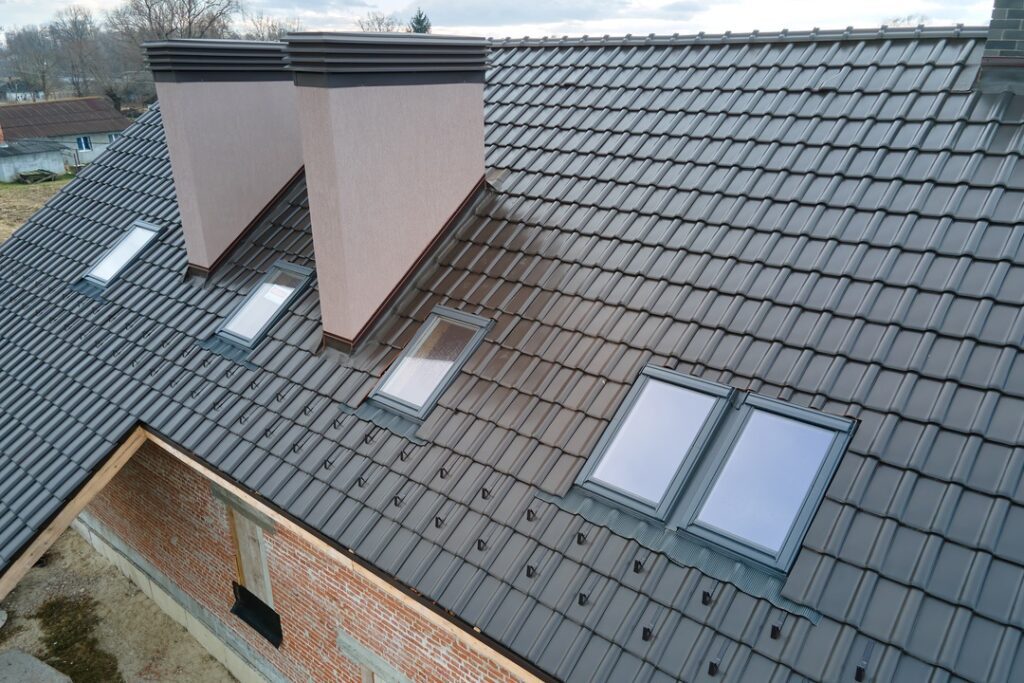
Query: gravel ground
x,y
148,645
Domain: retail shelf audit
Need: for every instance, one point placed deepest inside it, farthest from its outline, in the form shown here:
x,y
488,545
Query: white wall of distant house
x,y
99,142
24,96
10,167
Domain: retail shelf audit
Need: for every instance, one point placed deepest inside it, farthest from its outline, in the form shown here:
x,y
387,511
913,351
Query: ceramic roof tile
x,y
817,217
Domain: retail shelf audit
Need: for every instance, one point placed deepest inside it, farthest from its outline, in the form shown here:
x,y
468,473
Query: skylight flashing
x,y
264,305
430,362
747,484
123,252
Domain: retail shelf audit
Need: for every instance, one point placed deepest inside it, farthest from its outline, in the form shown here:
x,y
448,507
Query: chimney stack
x,y
1002,64
229,114
392,129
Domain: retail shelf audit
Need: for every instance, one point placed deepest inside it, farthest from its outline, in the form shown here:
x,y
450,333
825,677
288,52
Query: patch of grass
x,y
18,202
71,647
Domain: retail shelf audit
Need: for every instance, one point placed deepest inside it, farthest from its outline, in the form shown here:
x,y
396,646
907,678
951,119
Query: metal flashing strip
x,y
215,60
1000,75
381,58
747,577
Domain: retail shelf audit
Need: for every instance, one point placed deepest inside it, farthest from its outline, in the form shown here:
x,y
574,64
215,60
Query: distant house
x,y
84,125
23,156
16,90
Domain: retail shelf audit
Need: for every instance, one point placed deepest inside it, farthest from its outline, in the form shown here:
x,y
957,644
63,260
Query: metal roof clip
x,y
860,674
776,632
708,594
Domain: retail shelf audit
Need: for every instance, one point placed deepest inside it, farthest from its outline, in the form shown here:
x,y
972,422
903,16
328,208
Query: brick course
x,y
167,512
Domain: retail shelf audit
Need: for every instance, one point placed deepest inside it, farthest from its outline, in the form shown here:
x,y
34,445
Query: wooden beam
x,y
462,635
42,542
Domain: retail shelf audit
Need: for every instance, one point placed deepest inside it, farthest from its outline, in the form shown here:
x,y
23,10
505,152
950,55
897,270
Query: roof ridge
x,y
785,35
78,98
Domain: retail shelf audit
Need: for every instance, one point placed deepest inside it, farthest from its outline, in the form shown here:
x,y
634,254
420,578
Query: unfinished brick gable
x,y
168,513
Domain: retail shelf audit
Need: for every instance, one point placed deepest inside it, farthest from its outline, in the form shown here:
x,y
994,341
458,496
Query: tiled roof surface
x,y
60,117
833,221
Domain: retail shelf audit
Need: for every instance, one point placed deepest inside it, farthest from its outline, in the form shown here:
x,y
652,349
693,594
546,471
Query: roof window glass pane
x,y
263,304
121,255
765,479
425,366
653,439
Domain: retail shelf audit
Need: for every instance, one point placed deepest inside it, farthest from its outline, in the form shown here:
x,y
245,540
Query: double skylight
x,y
436,354
122,253
742,471
265,303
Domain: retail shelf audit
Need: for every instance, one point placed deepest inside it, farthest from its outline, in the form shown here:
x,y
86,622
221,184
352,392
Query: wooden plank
x,y
42,542
435,619
252,557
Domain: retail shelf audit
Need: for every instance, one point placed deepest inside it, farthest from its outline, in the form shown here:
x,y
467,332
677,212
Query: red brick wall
x,y
167,513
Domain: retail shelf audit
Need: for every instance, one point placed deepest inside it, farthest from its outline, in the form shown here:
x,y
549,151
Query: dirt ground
x,y
148,645
18,202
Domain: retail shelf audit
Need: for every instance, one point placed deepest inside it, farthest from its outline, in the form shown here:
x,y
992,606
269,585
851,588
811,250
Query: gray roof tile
x,y
817,217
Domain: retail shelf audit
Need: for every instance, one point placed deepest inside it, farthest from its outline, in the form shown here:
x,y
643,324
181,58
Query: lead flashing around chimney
x,y
360,59
1001,74
189,60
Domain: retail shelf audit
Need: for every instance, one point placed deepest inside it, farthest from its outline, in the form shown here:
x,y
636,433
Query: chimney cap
x,y
383,54
215,59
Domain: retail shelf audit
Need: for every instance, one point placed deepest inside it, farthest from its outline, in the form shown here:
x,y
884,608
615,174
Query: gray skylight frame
x,y
661,511
699,488
482,325
137,223
250,343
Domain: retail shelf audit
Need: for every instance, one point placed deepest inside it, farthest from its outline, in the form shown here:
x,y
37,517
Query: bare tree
x,y
140,20
30,55
75,37
908,20
259,26
378,22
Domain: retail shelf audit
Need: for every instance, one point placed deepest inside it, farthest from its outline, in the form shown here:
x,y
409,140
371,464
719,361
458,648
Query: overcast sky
x,y
575,17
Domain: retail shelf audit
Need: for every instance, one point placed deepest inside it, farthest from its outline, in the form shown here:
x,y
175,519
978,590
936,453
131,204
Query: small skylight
x,y
265,303
122,253
737,470
437,352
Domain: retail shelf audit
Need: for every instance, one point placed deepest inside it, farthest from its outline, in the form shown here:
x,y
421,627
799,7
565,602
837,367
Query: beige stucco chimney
x,y
392,129
231,122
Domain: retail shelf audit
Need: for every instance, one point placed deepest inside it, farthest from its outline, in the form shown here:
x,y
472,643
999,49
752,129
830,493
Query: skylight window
x,y
413,384
765,479
265,303
122,253
663,424
740,471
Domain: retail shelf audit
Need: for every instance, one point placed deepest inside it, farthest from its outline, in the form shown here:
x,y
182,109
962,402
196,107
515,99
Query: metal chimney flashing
x,y
357,59
189,59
